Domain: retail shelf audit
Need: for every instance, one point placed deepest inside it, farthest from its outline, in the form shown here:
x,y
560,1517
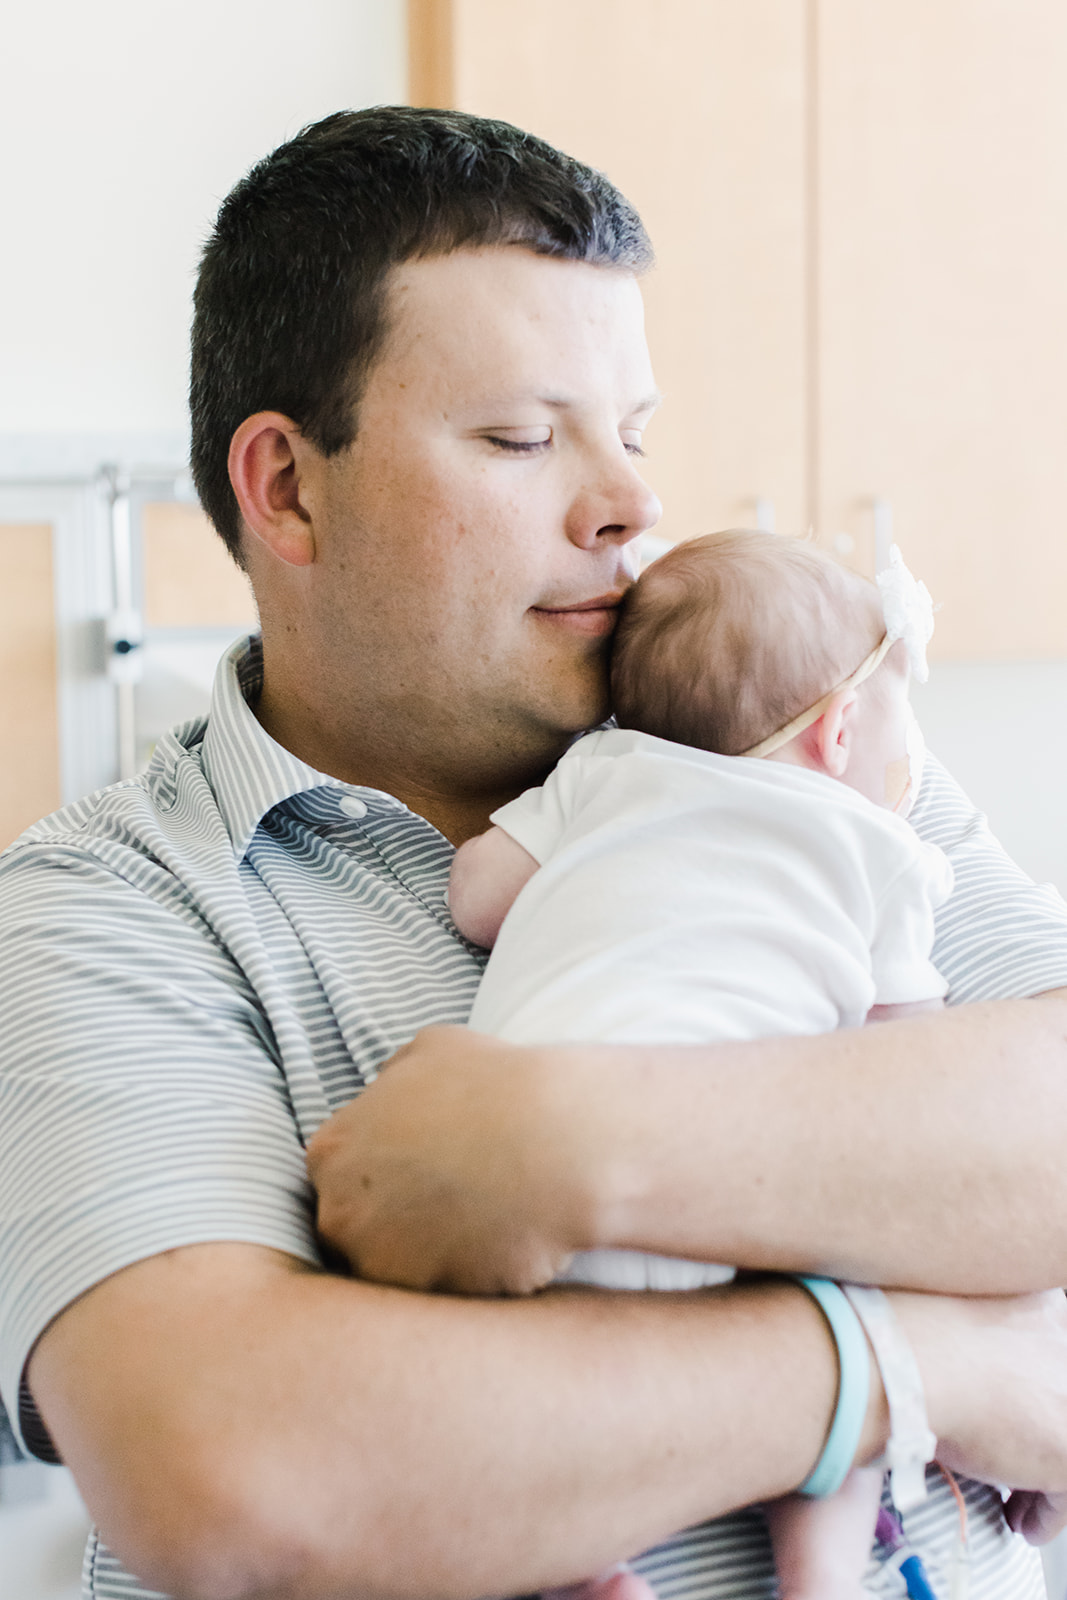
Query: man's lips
x,y
592,618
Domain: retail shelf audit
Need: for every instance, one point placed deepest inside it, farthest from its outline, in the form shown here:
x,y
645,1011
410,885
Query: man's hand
x,y
995,1374
432,1179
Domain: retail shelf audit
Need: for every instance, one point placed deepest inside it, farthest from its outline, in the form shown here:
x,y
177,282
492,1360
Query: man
x,y
419,390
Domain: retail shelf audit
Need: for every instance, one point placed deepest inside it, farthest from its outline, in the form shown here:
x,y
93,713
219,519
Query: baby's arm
x,y
487,874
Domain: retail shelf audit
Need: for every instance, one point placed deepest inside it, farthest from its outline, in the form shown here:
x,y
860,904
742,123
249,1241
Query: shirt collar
x,y
249,772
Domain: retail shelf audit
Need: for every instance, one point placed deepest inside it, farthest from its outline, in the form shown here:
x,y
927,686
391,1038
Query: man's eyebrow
x,y
651,402
566,402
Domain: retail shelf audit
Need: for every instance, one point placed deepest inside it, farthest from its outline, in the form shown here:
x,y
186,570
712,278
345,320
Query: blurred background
x,y
858,317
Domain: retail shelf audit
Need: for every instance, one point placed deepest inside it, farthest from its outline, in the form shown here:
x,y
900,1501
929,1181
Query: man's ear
x,y
268,455
832,735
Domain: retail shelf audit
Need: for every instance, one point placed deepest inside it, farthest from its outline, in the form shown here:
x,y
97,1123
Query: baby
x,y
730,862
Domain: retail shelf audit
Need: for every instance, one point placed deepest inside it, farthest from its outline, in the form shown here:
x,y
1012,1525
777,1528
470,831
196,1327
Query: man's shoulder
x,y
144,818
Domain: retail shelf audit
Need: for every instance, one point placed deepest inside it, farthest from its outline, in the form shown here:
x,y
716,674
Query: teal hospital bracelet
x,y
853,1389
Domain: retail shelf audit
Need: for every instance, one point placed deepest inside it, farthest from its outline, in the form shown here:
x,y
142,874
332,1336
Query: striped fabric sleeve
x,y
141,1104
1000,936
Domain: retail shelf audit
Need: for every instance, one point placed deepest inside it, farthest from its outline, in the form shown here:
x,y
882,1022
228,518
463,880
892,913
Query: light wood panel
x,y
695,108
943,313
189,579
430,57
858,209
29,729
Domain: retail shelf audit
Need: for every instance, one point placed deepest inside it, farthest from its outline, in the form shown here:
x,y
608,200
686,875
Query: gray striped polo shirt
x,y
199,965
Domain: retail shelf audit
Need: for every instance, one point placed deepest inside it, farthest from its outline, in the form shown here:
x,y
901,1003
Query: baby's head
x,y
730,639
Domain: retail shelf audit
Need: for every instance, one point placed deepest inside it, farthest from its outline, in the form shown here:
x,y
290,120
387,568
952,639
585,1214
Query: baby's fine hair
x,y
726,638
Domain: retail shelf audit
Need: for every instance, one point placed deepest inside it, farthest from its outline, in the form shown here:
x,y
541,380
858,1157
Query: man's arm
x,y
487,874
924,1153
243,1426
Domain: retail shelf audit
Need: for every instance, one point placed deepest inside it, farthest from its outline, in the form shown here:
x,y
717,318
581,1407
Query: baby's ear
x,y
833,734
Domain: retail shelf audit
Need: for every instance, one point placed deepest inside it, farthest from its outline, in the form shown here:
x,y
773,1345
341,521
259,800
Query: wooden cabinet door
x,y
189,578
696,110
195,602
941,229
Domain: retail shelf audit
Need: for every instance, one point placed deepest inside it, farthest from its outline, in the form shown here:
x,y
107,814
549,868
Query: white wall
x,y
1001,729
123,124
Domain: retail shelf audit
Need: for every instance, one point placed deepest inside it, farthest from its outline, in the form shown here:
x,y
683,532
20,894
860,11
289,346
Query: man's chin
x,y
572,735
560,706
584,711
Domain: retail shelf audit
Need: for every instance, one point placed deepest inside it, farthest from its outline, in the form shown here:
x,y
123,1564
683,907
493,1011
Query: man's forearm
x,y
244,1429
925,1153
256,1430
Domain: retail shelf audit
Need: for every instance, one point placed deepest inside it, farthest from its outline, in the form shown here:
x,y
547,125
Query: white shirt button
x,y
352,806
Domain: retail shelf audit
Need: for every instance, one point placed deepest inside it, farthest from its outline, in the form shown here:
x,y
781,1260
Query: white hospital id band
x,y
911,1443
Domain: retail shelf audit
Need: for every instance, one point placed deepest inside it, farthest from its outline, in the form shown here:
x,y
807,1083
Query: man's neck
x,y
446,792
458,817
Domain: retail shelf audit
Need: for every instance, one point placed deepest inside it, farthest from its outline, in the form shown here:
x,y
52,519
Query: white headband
x,y
909,615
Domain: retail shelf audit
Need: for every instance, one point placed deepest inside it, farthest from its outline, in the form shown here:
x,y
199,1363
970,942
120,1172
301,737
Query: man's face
x,y
476,536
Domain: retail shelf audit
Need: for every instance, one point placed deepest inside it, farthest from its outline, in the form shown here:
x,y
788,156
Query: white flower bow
x,y
909,611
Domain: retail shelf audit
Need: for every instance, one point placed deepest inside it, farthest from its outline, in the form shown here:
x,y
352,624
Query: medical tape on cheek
x,y
897,782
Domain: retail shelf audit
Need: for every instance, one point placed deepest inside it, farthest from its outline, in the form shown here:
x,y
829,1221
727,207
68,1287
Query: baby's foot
x,y
617,1583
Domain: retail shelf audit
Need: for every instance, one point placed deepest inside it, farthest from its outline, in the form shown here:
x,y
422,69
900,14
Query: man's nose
x,y
618,507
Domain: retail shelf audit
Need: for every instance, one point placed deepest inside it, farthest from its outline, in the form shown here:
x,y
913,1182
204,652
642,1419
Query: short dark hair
x,y
289,304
